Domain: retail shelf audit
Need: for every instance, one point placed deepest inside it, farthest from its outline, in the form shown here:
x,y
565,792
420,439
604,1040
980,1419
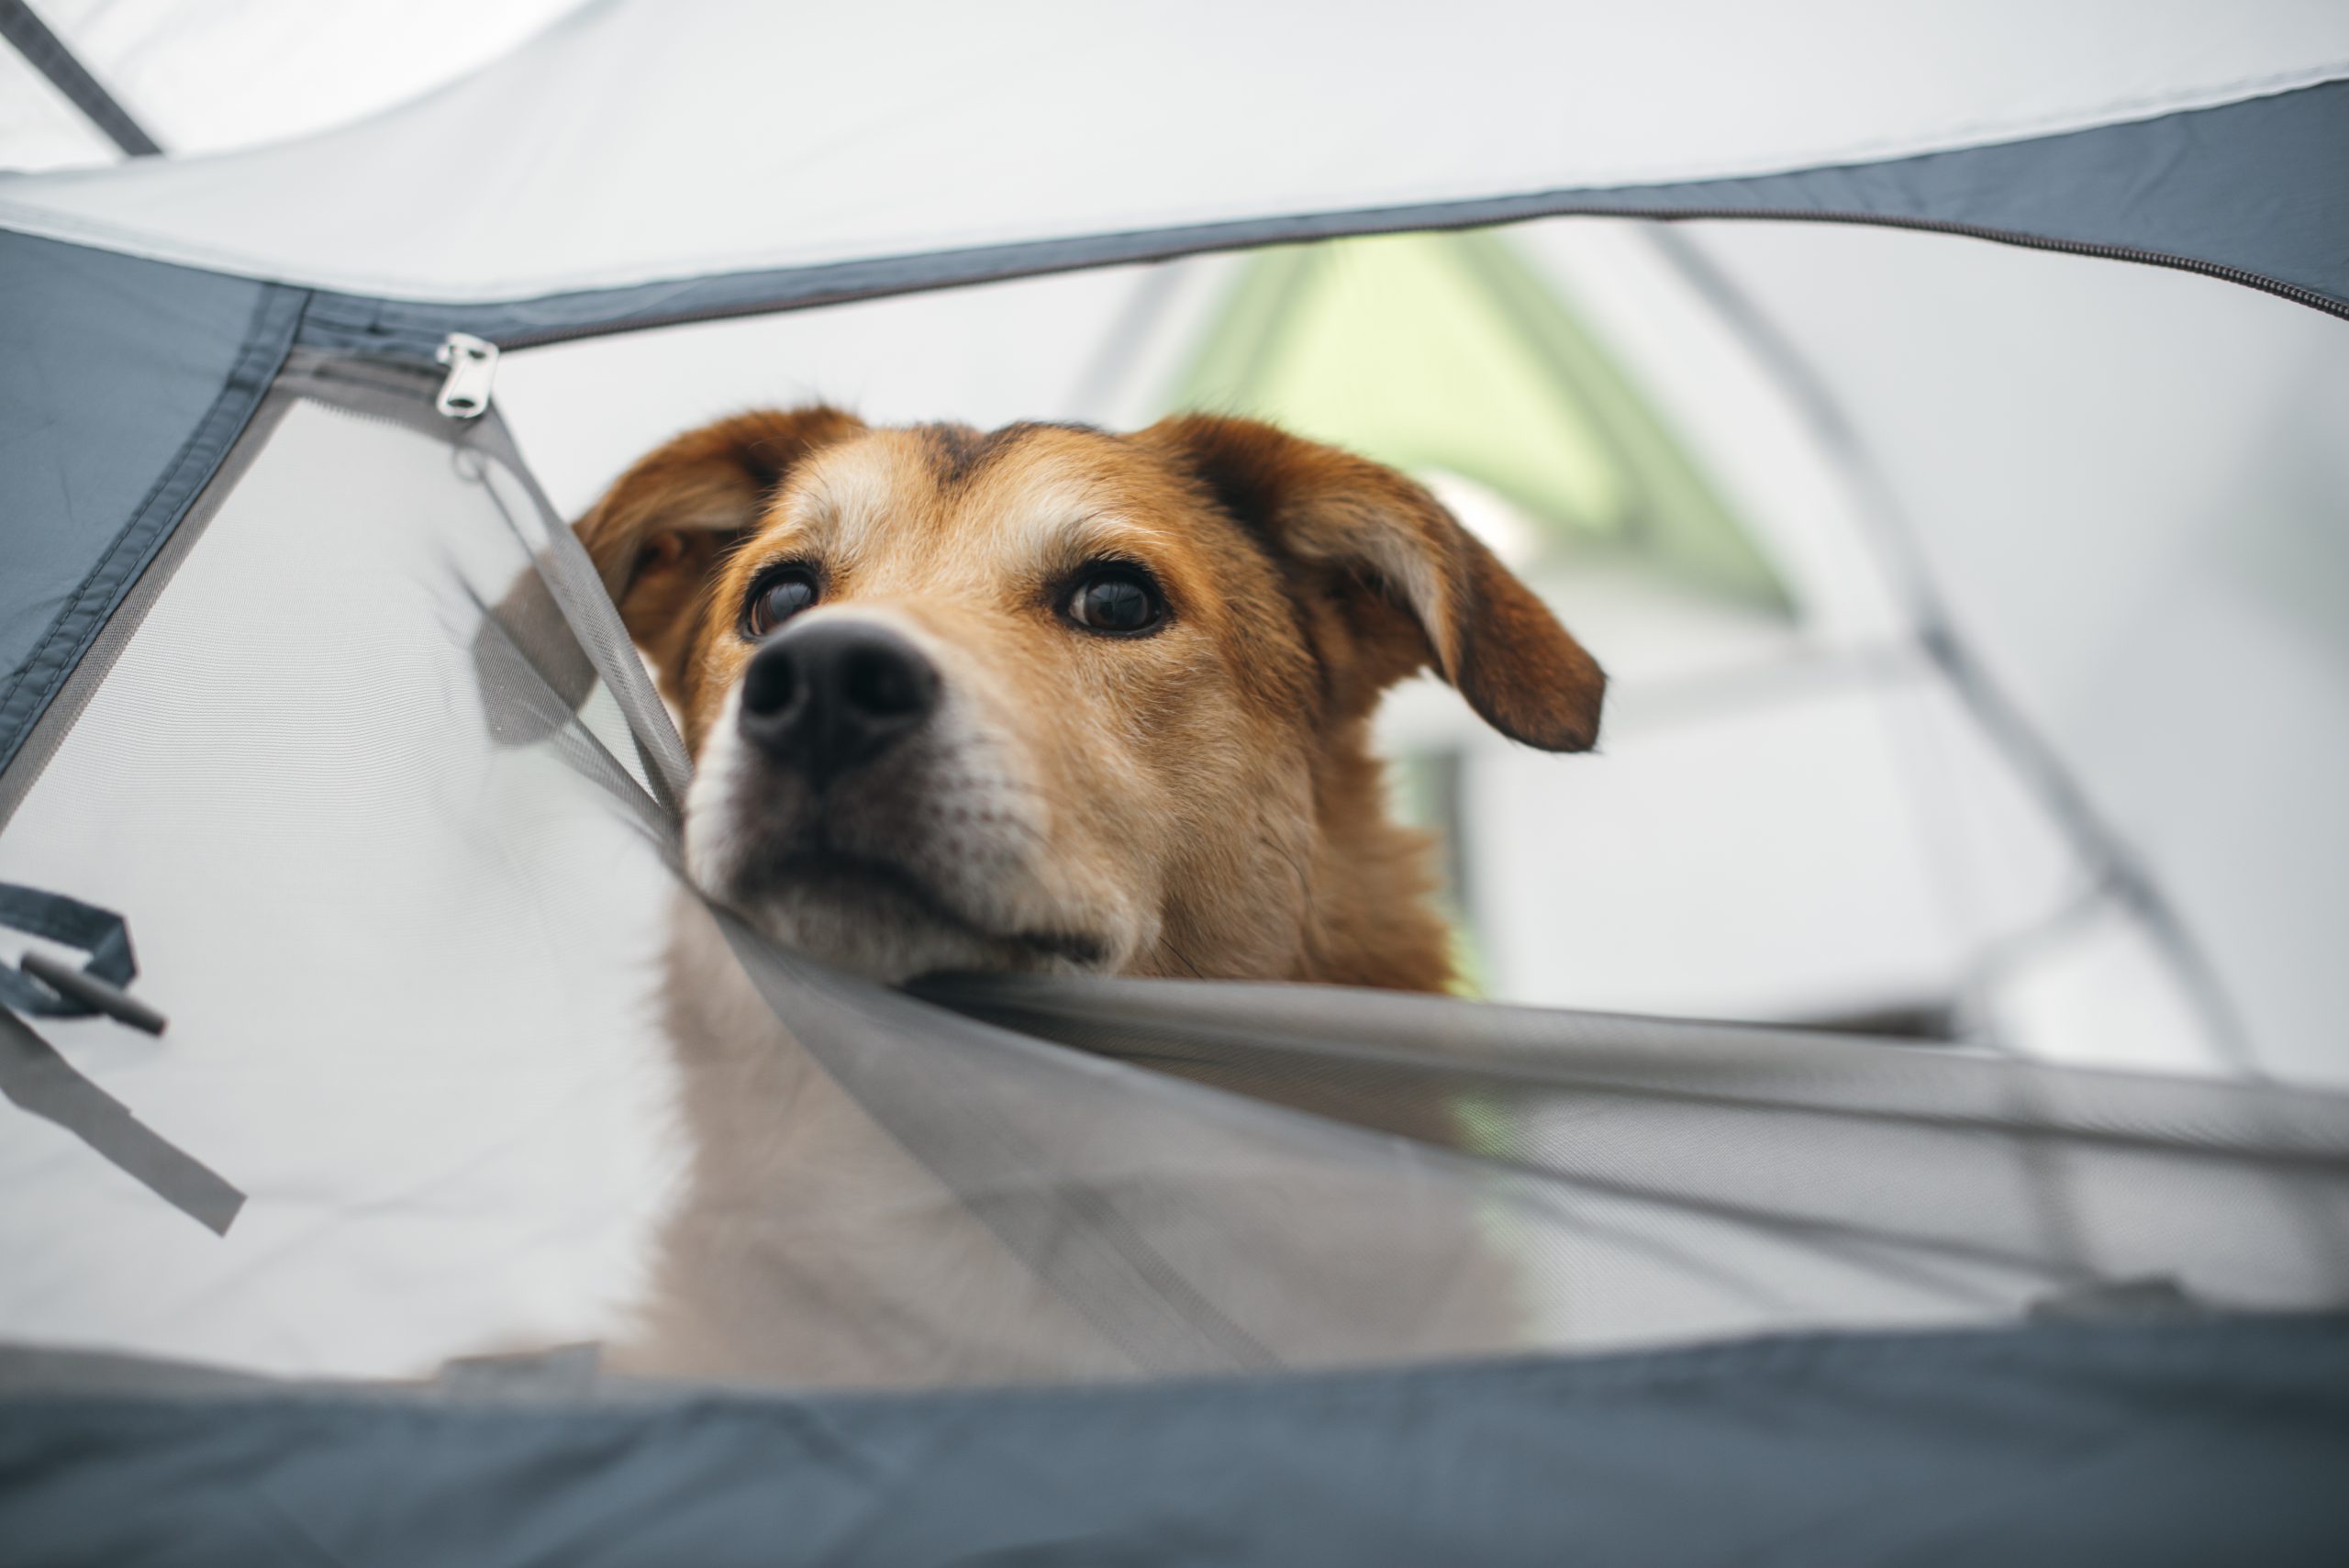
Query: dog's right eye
x,y
1118,601
777,597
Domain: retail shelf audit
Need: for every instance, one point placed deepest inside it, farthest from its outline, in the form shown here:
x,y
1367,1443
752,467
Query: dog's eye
x,y
1122,600
777,597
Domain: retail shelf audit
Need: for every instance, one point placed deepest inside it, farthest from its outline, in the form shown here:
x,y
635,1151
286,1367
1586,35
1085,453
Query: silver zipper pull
x,y
473,365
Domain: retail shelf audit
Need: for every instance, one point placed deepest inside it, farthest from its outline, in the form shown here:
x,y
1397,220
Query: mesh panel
x,y
382,790
369,857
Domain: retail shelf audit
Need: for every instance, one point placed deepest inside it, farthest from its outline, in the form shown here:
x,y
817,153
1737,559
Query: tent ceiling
x,y
638,141
208,76
39,127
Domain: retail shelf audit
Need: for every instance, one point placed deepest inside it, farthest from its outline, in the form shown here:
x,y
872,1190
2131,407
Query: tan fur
x,y
1201,802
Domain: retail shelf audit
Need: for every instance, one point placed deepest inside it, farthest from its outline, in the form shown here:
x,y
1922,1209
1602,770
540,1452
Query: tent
x,y
1910,1123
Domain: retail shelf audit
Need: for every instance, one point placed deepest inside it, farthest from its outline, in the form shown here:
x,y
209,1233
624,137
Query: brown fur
x,y
1210,800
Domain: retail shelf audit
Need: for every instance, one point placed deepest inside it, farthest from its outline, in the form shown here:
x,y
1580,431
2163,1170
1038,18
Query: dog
x,y
1044,699
1049,698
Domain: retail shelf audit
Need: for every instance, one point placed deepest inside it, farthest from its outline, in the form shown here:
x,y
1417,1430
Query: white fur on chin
x,y
874,935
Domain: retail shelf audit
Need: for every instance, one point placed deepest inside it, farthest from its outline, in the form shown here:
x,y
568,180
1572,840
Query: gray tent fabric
x,y
122,384
2218,191
2062,1444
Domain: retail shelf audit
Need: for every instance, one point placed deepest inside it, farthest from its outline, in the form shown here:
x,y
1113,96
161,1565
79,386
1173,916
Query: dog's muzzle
x,y
826,696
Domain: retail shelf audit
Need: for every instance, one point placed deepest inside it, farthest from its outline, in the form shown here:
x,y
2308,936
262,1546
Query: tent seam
x,y
2097,1348
1588,198
51,661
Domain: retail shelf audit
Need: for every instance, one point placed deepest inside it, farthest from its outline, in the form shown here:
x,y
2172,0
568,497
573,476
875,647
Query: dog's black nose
x,y
828,695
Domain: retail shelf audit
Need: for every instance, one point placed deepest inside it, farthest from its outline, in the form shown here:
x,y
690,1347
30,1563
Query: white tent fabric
x,y
40,127
2126,488
298,69
818,135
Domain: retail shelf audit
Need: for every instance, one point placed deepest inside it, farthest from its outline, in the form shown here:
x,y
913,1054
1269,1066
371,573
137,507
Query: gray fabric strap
x,y
39,1080
55,917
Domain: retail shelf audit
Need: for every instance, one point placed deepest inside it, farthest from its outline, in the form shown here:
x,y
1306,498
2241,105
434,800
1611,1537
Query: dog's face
x,y
1053,698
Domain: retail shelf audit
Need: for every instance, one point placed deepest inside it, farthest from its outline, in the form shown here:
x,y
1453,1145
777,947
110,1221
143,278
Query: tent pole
x,y
1112,365
46,54
2111,861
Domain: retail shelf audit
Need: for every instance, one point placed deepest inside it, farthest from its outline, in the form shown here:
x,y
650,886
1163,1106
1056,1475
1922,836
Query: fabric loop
x,y
100,933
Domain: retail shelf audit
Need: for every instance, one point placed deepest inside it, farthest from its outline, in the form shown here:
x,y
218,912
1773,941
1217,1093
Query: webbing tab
x,y
100,933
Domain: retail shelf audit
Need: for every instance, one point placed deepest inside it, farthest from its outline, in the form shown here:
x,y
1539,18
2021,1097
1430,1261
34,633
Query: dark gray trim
x,y
268,335
46,54
45,733
2237,193
2056,1445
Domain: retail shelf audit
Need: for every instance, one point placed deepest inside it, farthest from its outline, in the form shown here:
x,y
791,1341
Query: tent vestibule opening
x,y
1920,1019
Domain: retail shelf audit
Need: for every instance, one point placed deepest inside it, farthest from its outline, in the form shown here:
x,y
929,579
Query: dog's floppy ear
x,y
666,524
1388,539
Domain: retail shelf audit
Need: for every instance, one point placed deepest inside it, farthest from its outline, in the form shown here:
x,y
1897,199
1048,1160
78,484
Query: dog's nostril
x,y
884,684
770,683
826,695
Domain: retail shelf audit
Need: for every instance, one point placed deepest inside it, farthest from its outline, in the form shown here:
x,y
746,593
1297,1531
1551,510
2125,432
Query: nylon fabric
x,y
1032,122
122,385
48,54
2058,1446
2207,189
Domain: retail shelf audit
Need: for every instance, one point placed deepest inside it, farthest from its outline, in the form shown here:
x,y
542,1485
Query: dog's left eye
x,y
1116,599
777,597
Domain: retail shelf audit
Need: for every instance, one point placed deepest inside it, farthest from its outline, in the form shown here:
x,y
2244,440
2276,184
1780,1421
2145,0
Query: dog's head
x,y
1049,697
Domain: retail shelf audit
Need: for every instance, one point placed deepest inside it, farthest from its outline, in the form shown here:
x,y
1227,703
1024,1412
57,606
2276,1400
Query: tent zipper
x,y
473,366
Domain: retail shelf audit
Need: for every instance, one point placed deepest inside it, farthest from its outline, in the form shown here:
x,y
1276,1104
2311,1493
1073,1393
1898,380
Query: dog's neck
x,y
1371,922
1358,909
